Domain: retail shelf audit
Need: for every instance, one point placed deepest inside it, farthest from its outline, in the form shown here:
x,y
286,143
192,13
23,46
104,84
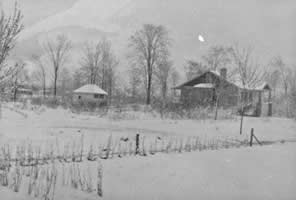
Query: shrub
x,y
178,111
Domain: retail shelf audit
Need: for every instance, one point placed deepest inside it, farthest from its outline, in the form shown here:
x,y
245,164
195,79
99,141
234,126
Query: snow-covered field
x,y
64,124
266,172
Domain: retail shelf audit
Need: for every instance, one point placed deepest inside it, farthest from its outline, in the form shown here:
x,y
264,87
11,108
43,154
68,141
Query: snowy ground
x,y
253,173
258,173
64,124
247,173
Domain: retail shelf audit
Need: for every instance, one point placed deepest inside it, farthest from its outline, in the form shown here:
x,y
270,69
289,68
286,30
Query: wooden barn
x,y
213,86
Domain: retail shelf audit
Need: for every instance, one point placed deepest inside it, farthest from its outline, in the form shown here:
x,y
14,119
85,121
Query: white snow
x,y
90,89
251,173
204,85
256,173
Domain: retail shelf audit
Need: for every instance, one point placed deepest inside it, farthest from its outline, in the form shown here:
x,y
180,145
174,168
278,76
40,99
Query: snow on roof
x,y
234,79
90,89
204,85
215,72
263,86
249,86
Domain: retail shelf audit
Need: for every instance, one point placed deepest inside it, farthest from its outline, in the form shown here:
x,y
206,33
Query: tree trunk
x,y
44,89
0,107
148,100
55,84
242,111
14,94
286,101
164,97
15,88
103,78
241,120
216,107
110,86
164,92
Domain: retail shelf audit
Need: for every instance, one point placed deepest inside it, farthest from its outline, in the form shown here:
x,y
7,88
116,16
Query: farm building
x,y
90,93
213,86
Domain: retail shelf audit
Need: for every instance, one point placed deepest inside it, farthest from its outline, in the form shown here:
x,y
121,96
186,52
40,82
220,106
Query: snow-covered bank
x,y
252,173
257,173
266,172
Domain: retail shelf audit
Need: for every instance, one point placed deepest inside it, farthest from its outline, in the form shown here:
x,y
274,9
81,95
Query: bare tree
x,y
273,77
10,27
91,61
217,57
194,69
135,83
57,52
149,45
78,79
65,82
108,67
175,77
283,70
19,78
285,75
292,82
248,74
98,66
40,74
162,72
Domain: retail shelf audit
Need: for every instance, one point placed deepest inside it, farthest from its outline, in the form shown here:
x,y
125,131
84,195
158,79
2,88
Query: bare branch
x,y
149,46
10,27
57,52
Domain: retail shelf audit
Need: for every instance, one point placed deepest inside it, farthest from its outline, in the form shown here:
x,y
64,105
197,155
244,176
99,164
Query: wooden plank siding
x,y
227,93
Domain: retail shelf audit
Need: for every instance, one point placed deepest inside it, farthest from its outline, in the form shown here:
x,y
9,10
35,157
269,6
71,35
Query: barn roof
x,y
90,89
234,81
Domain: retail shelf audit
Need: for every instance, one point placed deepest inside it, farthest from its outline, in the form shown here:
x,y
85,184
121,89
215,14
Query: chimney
x,y
223,73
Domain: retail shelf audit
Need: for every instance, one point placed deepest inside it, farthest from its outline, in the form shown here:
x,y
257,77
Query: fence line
x,y
29,155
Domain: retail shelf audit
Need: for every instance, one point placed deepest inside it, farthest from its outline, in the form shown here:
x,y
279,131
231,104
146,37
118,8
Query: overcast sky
x,y
268,24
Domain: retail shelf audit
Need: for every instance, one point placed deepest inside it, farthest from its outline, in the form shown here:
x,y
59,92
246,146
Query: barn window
x,y
99,96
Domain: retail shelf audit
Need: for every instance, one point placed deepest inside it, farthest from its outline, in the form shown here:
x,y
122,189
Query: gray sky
x,y
267,25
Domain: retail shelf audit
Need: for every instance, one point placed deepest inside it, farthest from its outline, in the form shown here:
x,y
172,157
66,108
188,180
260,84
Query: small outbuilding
x,y
90,93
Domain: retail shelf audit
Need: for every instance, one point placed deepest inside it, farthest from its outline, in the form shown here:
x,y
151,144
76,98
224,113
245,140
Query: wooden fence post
x,y
254,137
137,144
251,137
100,180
